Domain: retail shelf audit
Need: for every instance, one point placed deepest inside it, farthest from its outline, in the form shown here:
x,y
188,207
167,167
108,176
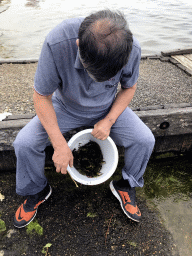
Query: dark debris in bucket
x,y
88,159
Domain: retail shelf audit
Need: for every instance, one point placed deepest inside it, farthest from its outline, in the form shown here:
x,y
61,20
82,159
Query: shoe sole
x,y
113,190
50,192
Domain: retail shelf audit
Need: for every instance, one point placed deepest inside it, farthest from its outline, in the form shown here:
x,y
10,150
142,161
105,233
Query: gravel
x,y
17,88
162,83
159,83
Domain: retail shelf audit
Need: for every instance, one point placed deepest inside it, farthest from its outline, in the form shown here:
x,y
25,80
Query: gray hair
x,y
105,43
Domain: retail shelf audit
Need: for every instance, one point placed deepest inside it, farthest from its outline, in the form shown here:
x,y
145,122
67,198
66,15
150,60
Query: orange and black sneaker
x,y
127,198
28,210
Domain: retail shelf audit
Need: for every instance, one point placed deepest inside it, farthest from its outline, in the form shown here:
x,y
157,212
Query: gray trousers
x,y
128,131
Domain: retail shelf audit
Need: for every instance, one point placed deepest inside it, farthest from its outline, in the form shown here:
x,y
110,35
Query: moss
x,y
165,177
92,215
132,243
2,226
33,228
166,155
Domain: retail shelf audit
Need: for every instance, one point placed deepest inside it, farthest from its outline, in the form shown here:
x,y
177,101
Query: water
x,y
158,25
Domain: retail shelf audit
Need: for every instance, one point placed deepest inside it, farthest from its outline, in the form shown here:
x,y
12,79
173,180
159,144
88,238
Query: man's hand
x,y
102,129
62,157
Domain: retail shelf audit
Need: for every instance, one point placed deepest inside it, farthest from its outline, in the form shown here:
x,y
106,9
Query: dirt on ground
x,y
84,220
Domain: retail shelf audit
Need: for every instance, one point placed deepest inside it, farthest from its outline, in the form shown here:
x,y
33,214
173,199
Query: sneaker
x,y
28,210
127,198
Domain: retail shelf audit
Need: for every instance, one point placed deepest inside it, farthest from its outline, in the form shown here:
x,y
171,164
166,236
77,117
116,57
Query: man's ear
x,y
77,42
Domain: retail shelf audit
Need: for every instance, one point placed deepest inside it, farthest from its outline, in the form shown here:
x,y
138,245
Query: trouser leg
x,y
29,147
130,132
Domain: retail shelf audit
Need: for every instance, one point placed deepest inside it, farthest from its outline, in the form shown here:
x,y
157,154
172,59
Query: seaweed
x,y
88,159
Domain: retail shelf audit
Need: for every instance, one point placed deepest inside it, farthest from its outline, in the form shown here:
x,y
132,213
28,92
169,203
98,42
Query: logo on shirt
x,y
110,85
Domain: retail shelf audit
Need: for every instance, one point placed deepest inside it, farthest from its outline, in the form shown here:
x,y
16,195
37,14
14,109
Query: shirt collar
x,y
78,64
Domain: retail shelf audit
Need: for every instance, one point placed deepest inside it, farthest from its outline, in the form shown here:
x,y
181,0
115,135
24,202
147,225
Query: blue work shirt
x,y
61,72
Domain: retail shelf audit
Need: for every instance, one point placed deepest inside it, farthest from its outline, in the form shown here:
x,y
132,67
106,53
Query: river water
x,y
159,25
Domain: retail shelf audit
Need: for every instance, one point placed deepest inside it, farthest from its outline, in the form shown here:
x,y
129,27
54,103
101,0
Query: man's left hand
x,y
102,129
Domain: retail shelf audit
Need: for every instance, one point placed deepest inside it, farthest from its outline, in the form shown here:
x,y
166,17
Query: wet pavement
x,y
88,220
176,212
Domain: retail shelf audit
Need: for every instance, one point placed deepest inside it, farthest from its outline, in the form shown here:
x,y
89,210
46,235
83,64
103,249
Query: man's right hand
x,y
62,157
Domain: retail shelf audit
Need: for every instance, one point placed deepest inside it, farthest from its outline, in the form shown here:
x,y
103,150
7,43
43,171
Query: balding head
x,y
105,43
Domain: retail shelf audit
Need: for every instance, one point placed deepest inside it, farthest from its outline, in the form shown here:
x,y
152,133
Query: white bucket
x,y
110,157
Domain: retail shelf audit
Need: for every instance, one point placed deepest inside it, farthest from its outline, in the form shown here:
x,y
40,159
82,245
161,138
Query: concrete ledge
x,y
176,52
28,61
17,61
168,120
171,125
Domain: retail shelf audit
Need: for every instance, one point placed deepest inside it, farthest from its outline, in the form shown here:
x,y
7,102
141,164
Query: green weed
x,y
34,227
132,243
2,226
92,215
45,248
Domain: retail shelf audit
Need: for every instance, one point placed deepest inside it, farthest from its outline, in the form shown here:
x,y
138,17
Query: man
x,y
81,63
